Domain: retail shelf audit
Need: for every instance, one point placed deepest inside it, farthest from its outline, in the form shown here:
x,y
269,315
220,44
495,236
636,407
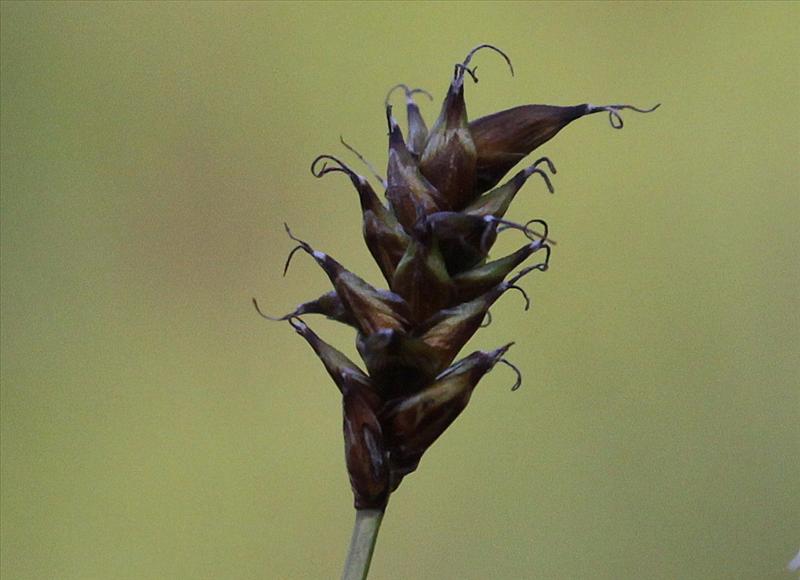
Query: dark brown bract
x,y
445,211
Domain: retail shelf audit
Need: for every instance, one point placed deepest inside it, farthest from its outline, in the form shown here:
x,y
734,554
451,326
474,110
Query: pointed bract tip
x,y
533,235
342,166
464,66
409,92
391,121
267,316
293,237
550,165
531,169
524,295
289,259
518,382
299,326
301,245
614,116
499,352
541,267
458,76
354,176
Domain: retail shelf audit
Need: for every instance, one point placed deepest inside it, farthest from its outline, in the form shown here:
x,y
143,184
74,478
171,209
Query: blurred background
x,y
154,427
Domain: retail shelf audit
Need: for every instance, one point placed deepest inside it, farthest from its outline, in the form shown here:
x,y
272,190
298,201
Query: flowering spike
x,y
408,191
432,246
383,234
412,424
496,202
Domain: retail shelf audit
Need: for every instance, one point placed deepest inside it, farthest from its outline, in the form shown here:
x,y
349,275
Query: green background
x,y
153,427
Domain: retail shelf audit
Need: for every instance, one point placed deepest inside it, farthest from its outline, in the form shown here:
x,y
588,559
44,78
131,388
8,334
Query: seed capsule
x,y
449,158
502,139
464,239
412,424
344,372
417,130
496,202
371,309
329,305
473,283
447,331
365,456
399,364
383,234
421,277
410,194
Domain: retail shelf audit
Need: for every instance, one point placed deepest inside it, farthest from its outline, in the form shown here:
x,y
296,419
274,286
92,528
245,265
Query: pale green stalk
x,y
362,544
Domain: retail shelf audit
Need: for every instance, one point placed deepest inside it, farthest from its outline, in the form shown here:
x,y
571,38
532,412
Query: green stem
x,y
362,544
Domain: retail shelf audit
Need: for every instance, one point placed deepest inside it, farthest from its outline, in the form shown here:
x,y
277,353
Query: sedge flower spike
x,y
447,198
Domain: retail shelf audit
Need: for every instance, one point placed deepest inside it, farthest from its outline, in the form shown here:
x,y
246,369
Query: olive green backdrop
x,y
153,427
